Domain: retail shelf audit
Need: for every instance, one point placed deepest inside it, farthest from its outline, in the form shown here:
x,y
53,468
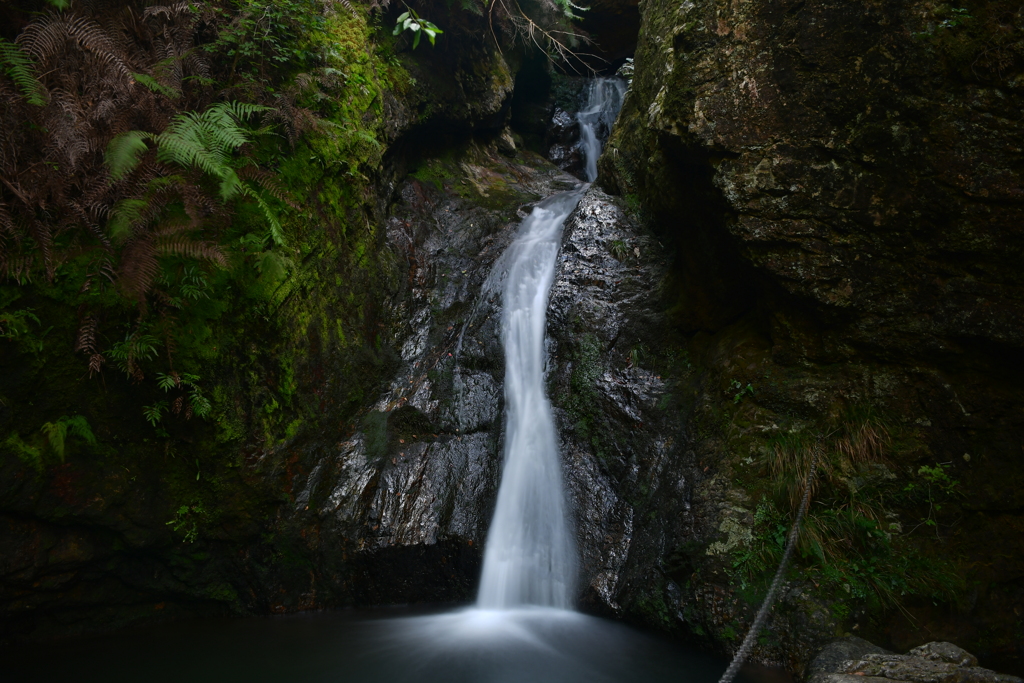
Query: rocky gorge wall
x,y
839,185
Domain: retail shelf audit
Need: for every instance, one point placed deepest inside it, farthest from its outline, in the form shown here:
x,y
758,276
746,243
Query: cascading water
x,y
604,100
530,556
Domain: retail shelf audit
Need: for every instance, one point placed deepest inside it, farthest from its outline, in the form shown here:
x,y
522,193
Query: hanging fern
x,y
203,140
19,66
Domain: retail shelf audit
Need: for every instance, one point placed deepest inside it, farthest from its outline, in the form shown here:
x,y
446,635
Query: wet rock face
x,y
407,495
563,139
841,190
624,456
402,504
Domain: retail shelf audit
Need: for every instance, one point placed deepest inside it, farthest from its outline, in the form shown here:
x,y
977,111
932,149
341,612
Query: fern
x,y
123,216
27,453
156,86
198,404
57,432
19,66
134,348
203,140
48,38
155,412
124,151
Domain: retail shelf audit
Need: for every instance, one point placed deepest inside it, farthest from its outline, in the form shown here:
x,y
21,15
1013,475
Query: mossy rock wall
x,y
840,185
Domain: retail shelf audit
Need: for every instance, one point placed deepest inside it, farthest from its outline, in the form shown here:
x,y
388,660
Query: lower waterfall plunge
x,y
530,554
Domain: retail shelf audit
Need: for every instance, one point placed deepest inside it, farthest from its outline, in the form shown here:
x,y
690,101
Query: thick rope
x,y
769,600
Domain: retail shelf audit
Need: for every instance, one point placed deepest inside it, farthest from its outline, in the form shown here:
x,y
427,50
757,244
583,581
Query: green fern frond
x,y
27,453
276,231
156,86
239,110
190,142
79,426
124,151
55,433
200,404
155,412
204,140
230,185
19,66
123,216
166,382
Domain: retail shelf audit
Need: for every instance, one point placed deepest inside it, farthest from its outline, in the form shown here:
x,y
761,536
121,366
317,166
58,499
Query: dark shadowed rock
x,y
934,662
840,185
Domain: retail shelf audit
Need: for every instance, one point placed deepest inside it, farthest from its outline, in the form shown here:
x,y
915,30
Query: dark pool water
x,y
386,646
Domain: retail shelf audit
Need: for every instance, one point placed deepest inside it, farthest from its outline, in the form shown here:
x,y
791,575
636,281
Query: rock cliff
x,y
840,186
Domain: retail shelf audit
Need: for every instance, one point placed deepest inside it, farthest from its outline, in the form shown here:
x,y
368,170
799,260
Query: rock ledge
x,y
853,660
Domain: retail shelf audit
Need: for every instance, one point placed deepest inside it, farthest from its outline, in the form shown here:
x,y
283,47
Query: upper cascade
x,y
604,100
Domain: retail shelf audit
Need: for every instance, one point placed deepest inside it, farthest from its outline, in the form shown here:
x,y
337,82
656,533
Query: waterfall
x,y
530,555
604,100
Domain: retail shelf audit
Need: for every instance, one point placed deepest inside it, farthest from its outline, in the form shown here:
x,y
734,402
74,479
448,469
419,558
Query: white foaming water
x,y
603,103
530,556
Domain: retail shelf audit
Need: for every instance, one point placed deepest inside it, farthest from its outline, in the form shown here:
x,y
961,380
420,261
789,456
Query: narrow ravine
x,y
524,625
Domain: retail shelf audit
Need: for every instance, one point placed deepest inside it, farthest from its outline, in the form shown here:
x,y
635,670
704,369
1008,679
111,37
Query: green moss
x,y
653,608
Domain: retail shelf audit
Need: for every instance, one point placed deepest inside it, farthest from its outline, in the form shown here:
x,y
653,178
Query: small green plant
x,y
17,64
747,390
637,354
958,16
953,17
58,431
137,346
937,487
619,250
766,546
187,520
410,21
155,412
14,324
189,384
938,476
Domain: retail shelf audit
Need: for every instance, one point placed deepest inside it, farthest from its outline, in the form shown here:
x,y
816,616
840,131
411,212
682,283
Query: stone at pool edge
x,y
833,657
855,660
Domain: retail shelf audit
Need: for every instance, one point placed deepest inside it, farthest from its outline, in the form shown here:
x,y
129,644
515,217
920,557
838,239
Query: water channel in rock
x,y
522,628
